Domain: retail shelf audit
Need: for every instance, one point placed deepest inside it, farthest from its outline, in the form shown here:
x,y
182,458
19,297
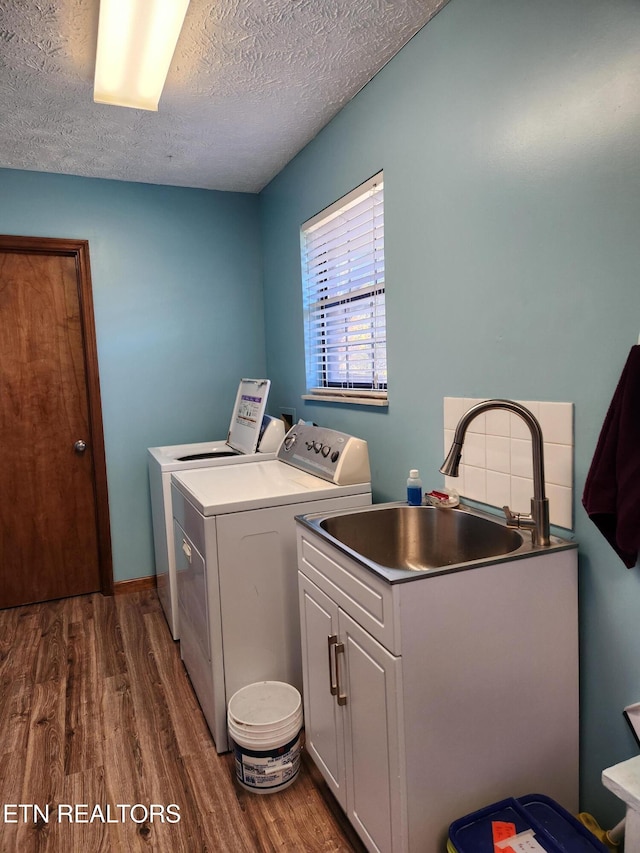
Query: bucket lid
x,y
264,703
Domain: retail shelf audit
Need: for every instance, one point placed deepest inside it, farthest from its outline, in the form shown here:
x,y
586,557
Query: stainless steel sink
x,y
421,537
397,540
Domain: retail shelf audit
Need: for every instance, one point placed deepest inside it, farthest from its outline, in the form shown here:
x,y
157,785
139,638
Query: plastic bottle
x,y
414,488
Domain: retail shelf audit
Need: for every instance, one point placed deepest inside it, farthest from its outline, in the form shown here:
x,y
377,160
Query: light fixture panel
x,y
136,43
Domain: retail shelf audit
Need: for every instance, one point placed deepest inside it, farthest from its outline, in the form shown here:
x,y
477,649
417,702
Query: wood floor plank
x,y
20,635
97,713
111,656
50,660
121,742
149,692
190,728
223,820
83,700
156,710
296,808
11,779
43,763
94,835
15,711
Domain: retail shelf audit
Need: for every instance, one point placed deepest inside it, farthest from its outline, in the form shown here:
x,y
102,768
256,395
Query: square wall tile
x,y
556,420
478,424
454,409
448,440
558,464
456,483
474,450
519,429
498,489
498,453
521,458
561,505
475,483
498,422
521,494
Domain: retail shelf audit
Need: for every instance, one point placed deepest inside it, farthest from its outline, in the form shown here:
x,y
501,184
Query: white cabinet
x,y
352,727
429,699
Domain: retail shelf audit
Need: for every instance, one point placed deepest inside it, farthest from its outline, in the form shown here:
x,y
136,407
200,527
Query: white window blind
x,y
344,297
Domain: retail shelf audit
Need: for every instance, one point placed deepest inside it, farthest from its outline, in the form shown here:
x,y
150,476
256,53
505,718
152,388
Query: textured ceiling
x,y
251,82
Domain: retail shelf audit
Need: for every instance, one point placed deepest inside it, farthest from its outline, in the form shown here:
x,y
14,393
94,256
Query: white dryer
x,y
252,436
236,560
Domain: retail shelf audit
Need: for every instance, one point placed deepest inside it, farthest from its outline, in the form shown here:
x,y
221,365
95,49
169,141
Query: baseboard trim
x,y
135,585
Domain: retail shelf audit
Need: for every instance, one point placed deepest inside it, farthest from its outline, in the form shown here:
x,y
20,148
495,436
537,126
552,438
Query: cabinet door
x,y
373,738
323,717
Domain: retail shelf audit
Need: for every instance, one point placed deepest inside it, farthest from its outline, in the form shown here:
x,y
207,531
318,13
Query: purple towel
x,y
612,489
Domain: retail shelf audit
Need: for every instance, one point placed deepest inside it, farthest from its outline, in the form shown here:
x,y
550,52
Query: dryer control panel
x,y
335,456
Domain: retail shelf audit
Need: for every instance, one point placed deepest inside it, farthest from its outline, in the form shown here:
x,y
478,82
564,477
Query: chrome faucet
x,y
538,520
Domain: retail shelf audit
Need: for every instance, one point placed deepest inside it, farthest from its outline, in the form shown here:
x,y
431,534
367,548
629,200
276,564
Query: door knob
x,y
80,446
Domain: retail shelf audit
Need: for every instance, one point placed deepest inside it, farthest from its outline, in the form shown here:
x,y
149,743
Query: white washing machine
x,y
252,436
236,560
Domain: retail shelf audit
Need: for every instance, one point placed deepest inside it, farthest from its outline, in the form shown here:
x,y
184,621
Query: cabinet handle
x,y
342,697
331,642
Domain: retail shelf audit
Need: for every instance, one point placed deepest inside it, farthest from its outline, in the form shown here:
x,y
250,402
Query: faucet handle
x,y
518,519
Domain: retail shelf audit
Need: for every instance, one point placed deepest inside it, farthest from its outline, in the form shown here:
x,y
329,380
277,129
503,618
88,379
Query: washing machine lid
x,y
238,488
247,414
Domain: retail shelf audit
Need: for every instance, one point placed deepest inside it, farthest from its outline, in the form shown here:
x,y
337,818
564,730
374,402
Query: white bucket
x,y
265,722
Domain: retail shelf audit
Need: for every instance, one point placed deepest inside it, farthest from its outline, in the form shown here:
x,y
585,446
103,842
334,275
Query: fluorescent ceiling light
x,y
136,41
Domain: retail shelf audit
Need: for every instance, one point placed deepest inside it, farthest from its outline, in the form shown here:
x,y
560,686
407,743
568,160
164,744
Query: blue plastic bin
x,y
555,829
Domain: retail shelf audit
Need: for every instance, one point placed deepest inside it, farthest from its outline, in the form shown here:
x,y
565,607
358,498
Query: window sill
x,y
350,397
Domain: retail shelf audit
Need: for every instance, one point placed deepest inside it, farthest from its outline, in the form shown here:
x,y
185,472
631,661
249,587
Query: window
x,y
344,300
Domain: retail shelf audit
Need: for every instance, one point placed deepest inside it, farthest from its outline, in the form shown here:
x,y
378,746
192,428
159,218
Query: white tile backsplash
x,y
561,500
498,489
521,458
475,483
556,420
497,467
498,422
475,447
521,494
558,463
498,453
454,409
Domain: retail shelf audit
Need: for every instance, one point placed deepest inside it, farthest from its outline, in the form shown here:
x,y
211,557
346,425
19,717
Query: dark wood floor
x,y
96,710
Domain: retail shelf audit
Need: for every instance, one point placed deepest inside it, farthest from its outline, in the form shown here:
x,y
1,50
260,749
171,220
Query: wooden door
x,y
54,521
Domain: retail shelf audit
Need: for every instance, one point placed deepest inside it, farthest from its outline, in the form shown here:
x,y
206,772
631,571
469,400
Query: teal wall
x,y
508,131
178,304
